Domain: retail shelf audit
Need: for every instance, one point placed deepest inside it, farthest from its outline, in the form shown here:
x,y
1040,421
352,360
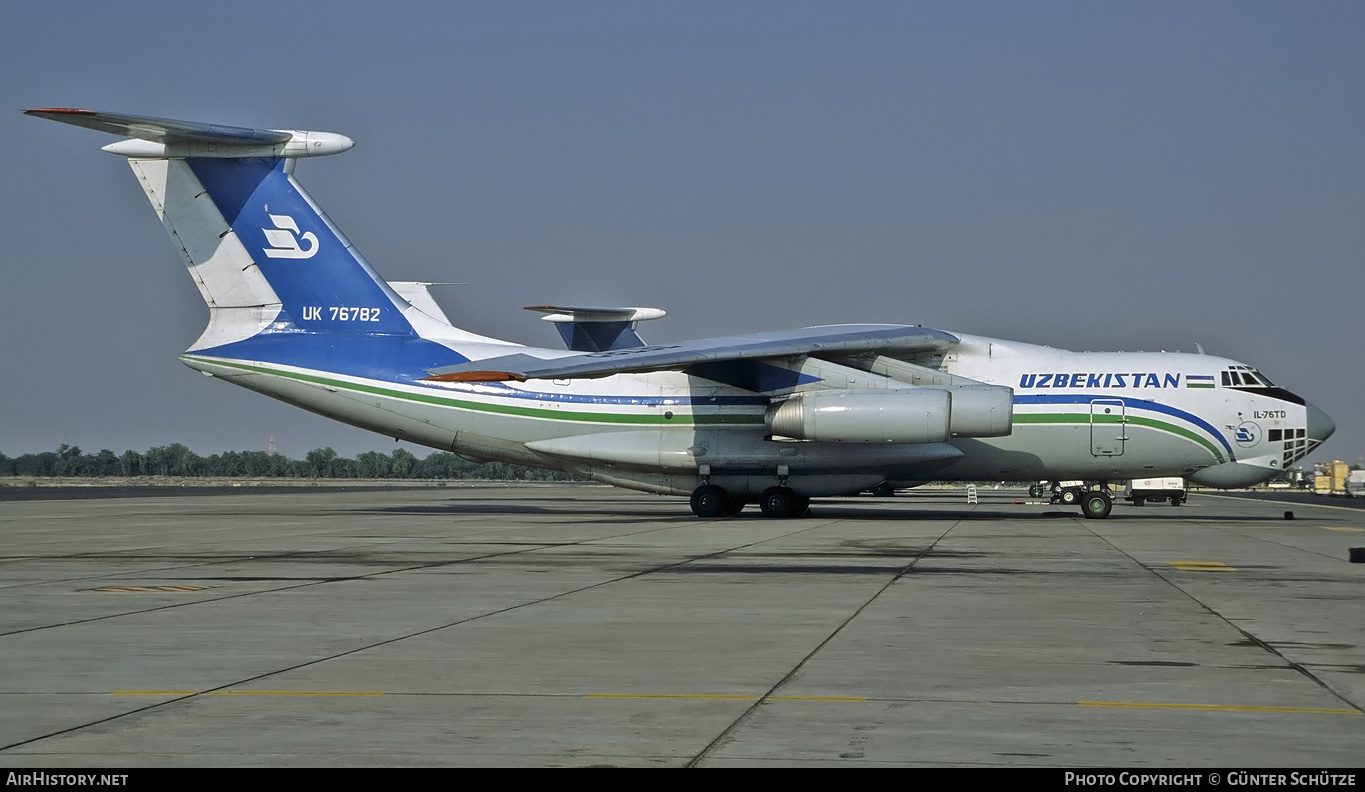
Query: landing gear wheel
x,y
707,501
777,502
731,505
884,490
1096,505
1069,497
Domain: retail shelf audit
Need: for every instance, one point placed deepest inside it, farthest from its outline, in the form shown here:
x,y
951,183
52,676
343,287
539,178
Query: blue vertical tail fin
x,y
282,283
322,282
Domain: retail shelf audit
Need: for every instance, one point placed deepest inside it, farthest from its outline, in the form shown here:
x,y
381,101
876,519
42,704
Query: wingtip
x,y
476,376
58,111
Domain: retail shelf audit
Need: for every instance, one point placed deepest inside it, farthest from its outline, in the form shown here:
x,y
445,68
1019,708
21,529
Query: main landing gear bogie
x,y
710,501
782,502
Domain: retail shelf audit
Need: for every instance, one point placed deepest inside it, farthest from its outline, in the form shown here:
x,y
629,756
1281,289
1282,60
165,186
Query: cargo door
x,y
1107,427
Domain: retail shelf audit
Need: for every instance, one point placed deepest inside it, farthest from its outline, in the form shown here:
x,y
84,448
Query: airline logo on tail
x,y
283,243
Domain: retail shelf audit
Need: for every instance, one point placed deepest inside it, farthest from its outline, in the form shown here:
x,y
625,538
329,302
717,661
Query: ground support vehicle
x,y
1140,491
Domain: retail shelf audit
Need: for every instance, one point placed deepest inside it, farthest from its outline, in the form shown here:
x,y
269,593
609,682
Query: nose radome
x,y
1320,427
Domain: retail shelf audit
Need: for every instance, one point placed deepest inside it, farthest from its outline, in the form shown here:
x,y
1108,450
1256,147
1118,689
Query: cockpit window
x,y
1239,376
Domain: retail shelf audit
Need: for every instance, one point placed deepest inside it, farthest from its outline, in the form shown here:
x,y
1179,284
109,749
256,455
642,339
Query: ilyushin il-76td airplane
x,y
296,313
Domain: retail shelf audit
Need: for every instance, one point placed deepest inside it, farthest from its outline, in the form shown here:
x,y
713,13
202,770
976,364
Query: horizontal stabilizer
x,y
159,130
154,138
888,339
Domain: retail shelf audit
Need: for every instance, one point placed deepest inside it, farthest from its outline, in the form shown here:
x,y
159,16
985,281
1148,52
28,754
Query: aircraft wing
x,y
890,340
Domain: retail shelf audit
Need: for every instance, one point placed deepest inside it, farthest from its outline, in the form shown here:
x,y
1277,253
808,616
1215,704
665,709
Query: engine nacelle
x,y
982,410
910,415
918,415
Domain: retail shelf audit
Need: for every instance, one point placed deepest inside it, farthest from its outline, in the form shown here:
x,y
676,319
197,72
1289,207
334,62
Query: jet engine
x,y
911,415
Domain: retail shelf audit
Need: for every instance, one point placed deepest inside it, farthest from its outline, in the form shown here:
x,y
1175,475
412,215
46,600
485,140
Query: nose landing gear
x,y
1096,504
1094,498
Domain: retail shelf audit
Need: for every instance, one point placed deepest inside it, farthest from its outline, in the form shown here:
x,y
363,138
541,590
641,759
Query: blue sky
x,y
1085,175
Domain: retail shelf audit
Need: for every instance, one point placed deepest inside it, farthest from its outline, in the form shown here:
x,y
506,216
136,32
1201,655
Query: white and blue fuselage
x,y
1076,415
298,314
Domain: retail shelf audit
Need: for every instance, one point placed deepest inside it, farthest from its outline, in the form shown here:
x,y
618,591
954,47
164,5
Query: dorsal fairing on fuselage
x,y
418,295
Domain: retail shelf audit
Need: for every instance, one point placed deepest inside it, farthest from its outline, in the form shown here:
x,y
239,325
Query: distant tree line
x,y
179,461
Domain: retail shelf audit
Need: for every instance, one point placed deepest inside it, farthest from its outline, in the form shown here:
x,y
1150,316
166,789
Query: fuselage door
x,y
1107,427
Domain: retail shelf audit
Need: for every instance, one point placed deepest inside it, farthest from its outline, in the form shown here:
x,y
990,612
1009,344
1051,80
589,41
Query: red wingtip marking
x,y
66,110
476,376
